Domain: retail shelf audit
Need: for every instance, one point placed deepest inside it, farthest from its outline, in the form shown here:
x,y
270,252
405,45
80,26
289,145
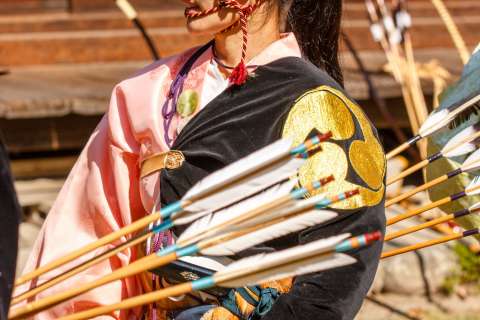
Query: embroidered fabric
x,y
214,84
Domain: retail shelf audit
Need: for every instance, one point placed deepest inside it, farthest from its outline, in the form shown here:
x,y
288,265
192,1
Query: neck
x,y
261,33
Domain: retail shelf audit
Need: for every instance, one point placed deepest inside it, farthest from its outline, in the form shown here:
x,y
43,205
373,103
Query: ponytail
x,y
316,25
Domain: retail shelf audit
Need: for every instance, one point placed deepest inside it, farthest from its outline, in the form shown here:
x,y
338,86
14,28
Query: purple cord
x,y
169,108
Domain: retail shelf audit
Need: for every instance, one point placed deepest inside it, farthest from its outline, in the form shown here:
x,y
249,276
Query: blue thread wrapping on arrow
x,y
188,251
323,204
172,208
167,250
344,246
203,283
167,224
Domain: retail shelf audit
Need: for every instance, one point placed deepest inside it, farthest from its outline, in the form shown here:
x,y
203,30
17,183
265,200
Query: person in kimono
x,y
9,221
271,71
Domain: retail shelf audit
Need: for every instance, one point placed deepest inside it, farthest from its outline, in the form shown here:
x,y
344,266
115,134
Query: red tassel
x,y
239,75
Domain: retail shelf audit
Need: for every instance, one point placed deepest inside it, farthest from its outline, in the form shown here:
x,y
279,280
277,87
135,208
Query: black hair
x,y
316,25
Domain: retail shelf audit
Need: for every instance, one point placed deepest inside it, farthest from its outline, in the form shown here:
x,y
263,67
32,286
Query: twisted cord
x,y
240,73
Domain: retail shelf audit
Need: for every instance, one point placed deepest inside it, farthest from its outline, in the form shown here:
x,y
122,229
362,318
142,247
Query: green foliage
x,y
450,283
468,273
469,264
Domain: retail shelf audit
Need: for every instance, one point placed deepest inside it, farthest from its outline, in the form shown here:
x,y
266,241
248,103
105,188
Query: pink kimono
x,y
104,191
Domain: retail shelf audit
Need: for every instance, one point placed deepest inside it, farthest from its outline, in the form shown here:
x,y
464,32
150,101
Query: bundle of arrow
x,y
247,203
458,105
255,200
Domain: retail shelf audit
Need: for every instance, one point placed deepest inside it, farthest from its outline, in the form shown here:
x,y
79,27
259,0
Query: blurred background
x,y
59,60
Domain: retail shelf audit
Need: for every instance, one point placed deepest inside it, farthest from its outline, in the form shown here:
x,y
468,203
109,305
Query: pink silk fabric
x,y
104,192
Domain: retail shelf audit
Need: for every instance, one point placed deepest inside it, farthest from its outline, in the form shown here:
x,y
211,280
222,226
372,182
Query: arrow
x,y
431,243
472,189
435,121
245,206
262,169
313,257
449,217
172,253
462,143
472,163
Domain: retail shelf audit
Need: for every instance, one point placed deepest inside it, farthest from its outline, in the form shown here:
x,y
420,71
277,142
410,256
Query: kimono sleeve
x,y
356,159
100,195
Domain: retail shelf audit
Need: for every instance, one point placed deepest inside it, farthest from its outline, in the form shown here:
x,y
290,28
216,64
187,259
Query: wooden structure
x,y
64,57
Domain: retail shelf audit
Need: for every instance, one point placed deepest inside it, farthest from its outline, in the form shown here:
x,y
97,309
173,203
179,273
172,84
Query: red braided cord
x,y
240,73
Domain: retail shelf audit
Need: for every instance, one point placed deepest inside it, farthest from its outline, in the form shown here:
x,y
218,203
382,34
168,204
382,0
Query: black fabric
x,y
9,219
241,121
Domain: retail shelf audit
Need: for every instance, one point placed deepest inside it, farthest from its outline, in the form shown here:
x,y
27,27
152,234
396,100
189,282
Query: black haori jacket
x,y
292,98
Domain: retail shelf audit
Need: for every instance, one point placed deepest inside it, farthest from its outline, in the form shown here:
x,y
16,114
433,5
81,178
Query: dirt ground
x,y
401,307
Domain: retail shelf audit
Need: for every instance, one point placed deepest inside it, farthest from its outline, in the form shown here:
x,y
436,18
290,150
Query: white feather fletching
x,y
257,263
297,207
439,119
472,163
305,266
474,187
240,190
462,143
203,262
223,216
240,168
298,223
246,187
434,122
475,206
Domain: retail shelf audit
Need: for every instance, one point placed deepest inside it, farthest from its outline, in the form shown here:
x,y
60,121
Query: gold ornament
x,y
327,109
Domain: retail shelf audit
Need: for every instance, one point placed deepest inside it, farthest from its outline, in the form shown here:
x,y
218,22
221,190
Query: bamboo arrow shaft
x,y
434,222
422,164
418,211
410,193
421,245
148,298
146,263
76,270
404,146
142,223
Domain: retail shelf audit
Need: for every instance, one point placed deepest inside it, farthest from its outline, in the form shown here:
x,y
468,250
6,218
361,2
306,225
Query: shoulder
x,y
354,155
155,69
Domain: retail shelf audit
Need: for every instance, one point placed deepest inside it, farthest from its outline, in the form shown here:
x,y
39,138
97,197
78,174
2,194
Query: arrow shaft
x,y
404,146
421,245
173,291
146,263
418,211
422,164
430,223
434,222
410,193
76,270
140,224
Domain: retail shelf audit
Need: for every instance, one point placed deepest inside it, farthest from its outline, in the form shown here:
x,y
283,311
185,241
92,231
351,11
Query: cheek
x,y
212,24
